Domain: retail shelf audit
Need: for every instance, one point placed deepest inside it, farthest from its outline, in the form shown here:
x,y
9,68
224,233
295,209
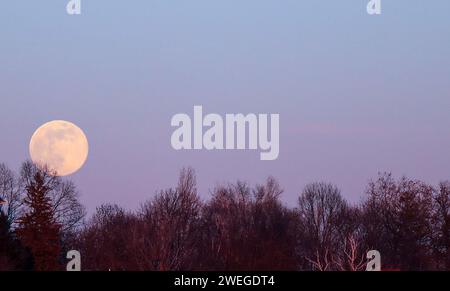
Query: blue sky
x,y
356,94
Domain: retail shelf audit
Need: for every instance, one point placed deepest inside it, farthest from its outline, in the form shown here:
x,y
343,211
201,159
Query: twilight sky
x,y
356,94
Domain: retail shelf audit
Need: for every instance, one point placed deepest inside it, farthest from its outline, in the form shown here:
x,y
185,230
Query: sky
x,y
357,94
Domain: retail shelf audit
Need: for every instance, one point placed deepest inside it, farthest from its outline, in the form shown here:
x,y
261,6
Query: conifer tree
x,y
38,229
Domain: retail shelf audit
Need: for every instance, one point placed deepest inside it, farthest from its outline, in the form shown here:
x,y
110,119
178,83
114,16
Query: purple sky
x,y
356,94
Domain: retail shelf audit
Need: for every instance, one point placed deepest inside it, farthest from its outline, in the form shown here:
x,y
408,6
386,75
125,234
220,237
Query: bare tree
x,y
10,192
321,211
105,242
226,227
441,223
398,221
172,220
241,224
351,258
321,261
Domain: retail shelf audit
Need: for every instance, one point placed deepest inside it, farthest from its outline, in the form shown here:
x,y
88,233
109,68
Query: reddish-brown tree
x,y
38,229
441,226
398,222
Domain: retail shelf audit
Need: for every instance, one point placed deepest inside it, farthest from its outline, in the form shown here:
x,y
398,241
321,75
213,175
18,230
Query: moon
x,y
61,146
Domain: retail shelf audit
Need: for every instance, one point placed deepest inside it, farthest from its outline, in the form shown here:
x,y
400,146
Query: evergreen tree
x,y
38,229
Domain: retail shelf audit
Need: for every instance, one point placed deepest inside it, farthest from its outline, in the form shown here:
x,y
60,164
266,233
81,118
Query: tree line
x,y
239,228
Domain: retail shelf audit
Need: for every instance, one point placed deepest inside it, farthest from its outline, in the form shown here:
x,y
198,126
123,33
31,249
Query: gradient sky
x,y
356,94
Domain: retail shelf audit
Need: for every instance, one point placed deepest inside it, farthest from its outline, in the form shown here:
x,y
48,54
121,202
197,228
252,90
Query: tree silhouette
x,y
322,214
10,192
171,222
441,222
38,229
241,228
247,229
398,221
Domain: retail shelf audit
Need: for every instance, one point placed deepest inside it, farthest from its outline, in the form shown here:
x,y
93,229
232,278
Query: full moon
x,y
61,146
